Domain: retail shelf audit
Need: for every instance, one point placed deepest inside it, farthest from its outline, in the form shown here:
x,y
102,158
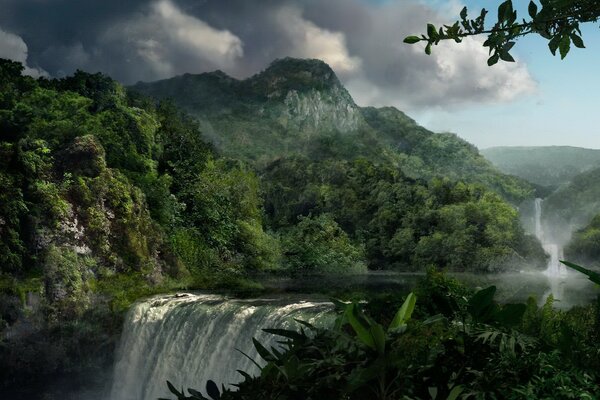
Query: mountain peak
x,y
217,75
315,67
301,75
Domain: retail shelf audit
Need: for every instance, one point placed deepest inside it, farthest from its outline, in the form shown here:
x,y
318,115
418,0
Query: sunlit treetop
x,y
557,21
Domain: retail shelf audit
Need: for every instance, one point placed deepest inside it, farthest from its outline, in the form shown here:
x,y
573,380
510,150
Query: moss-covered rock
x,y
84,156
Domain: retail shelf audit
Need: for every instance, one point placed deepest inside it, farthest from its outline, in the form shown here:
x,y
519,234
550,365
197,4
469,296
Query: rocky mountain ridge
x,y
300,107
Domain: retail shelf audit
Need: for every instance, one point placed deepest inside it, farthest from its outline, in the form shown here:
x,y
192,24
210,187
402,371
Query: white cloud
x,y
398,74
361,41
166,38
310,41
461,68
13,47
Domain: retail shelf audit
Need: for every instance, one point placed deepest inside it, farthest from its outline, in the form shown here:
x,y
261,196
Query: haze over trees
x,y
548,166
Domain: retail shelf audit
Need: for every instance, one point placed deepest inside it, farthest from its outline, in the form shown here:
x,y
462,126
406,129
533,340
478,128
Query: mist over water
x,y
567,288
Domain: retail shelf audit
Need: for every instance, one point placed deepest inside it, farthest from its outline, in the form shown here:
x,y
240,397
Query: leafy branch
x,y
557,21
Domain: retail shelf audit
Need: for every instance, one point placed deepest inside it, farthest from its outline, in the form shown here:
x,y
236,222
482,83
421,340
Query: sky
x,y
538,100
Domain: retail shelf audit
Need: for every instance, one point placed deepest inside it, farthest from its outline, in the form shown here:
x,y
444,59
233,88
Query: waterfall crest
x,y
190,338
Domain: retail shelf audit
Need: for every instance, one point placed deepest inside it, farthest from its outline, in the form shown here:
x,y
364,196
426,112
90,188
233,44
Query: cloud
x,y
453,76
171,42
307,40
14,48
361,40
394,73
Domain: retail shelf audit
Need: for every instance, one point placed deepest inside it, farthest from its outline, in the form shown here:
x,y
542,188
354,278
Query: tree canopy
x,y
557,21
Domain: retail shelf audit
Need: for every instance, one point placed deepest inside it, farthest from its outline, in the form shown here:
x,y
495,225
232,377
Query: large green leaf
x,y
481,305
564,46
176,392
213,390
411,39
404,313
262,351
455,392
532,9
360,325
592,275
378,335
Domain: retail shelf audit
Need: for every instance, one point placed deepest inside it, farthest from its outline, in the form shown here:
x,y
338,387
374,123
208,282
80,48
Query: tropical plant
x,y
592,275
474,349
317,355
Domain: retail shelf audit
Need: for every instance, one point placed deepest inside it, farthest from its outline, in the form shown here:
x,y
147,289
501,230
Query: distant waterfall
x,y
538,220
554,268
190,338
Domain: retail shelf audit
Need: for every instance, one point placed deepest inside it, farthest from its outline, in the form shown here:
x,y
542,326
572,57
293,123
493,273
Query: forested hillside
x,y
104,200
402,223
550,166
299,107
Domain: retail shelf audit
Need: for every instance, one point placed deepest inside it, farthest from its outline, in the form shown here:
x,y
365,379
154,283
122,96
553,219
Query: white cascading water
x,y
554,268
191,338
538,220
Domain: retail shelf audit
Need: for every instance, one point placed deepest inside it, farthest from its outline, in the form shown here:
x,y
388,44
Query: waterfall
x,y
538,220
554,268
190,338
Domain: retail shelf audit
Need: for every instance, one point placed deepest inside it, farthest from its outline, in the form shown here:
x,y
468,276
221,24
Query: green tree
x,y
318,245
557,21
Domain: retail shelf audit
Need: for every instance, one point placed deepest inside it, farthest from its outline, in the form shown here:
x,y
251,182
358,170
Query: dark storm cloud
x,y
62,22
145,40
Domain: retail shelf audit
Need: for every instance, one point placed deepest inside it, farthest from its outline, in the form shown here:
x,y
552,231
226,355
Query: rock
x,y
85,156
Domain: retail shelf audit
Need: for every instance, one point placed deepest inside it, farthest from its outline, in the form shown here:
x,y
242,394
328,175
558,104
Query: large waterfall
x,y
190,338
554,267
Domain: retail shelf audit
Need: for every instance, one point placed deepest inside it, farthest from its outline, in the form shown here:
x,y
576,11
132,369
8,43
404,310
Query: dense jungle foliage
x,y
444,342
402,223
107,196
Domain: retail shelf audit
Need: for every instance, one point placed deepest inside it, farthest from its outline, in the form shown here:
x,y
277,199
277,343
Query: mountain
x,y
550,166
299,107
